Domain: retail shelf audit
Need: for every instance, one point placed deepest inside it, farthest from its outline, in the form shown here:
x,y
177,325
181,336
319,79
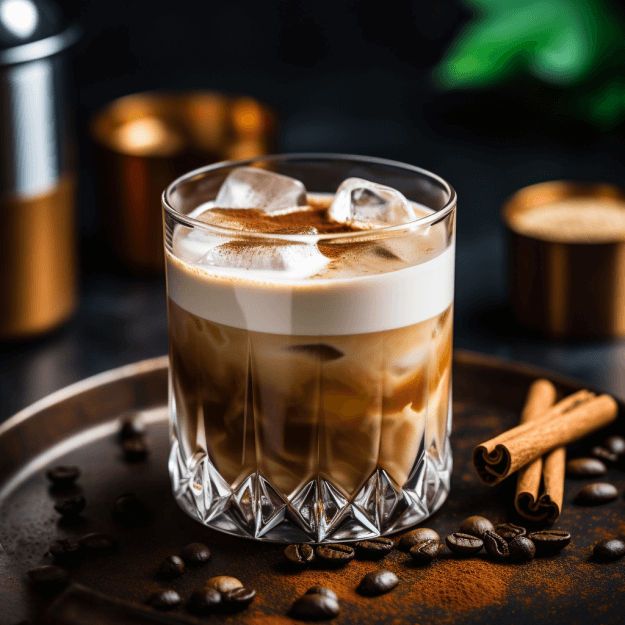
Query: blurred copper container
x,y
567,258
146,140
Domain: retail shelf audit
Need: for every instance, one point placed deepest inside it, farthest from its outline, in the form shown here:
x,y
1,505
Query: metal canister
x,y
37,233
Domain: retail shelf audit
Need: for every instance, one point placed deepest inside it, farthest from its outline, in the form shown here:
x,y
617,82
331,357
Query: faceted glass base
x,y
317,511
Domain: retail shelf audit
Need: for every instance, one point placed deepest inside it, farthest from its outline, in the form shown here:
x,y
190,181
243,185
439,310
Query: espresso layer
x,y
294,407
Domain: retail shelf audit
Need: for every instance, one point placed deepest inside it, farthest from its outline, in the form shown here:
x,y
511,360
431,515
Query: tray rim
x,y
99,379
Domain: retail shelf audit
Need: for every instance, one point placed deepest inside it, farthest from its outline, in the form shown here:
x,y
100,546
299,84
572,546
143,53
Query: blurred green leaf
x,y
605,106
489,49
495,6
558,41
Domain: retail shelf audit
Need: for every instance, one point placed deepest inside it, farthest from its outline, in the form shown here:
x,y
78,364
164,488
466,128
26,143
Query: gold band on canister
x,y
146,140
563,284
37,260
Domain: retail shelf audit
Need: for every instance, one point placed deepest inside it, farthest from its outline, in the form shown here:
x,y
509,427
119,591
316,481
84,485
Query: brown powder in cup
x,y
574,220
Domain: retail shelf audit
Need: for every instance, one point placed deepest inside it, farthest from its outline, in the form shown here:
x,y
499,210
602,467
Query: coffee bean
x,y
522,549
615,444
299,554
322,590
195,554
315,607
377,583
131,426
374,548
425,552
334,554
609,550
223,583
604,454
65,551
476,525
420,535
496,546
97,543
166,599
48,578
63,476
130,511
71,507
203,602
596,494
585,467
135,449
237,599
550,542
171,568
464,544
508,531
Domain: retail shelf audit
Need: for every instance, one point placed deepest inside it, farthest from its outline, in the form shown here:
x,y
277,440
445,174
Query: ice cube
x,y
250,187
271,259
363,204
191,245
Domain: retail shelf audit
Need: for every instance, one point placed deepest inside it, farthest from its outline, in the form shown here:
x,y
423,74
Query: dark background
x,y
344,76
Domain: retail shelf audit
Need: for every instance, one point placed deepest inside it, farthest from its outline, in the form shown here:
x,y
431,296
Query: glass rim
x,y
420,222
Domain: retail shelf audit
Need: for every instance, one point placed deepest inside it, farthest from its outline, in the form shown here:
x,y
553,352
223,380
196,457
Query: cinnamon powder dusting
x,y
462,585
449,586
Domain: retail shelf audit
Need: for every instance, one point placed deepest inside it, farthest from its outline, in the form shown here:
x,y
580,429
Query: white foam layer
x,y
315,307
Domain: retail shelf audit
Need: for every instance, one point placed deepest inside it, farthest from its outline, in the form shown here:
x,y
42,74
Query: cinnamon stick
x,y
547,472
570,419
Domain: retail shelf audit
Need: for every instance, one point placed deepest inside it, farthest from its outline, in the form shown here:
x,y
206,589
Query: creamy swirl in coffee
x,y
307,354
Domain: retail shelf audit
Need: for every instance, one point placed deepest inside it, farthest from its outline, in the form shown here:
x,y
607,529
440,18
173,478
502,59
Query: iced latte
x,y
310,345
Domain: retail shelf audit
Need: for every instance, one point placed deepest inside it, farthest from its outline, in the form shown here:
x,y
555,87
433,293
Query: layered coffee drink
x,y
310,347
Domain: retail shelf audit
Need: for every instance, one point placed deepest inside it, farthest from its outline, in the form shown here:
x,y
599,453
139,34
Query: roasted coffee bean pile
x,y
505,541
611,453
333,555
67,552
222,593
476,536
70,503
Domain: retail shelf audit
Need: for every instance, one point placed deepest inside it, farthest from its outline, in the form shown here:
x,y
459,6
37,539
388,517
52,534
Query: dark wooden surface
x,y
79,428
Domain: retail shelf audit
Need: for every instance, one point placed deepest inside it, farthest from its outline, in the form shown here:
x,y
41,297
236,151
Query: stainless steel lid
x,y
32,29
